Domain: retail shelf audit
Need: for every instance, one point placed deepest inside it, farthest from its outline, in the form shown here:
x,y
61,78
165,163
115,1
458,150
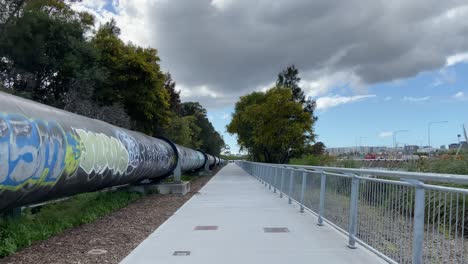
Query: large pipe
x,y
47,153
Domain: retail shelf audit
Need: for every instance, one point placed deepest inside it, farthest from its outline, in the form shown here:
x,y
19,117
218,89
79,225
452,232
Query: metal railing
x,y
403,217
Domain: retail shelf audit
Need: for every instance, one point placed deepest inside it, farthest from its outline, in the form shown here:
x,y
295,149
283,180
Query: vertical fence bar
x,y
304,179
291,178
418,226
275,180
353,211
270,170
283,170
323,179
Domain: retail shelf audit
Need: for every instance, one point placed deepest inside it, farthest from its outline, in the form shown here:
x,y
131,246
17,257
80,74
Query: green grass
x,y
312,160
20,232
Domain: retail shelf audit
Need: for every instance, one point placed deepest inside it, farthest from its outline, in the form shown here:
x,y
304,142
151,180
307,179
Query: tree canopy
x,y
53,54
275,125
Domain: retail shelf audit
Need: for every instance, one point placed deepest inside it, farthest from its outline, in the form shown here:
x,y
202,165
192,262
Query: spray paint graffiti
x,y
131,145
101,153
33,152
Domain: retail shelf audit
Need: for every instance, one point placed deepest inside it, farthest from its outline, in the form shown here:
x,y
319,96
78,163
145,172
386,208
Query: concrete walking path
x,y
232,210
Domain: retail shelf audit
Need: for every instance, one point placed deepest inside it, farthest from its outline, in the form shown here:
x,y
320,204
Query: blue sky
x,y
408,104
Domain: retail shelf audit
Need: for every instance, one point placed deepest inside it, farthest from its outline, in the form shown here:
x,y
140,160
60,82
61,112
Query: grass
x,y
51,219
312,160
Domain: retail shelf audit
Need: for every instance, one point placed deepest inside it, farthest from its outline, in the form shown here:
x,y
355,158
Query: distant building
x,y
410,149
455,146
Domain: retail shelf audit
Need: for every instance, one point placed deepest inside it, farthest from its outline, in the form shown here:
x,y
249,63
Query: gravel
x,y
111,238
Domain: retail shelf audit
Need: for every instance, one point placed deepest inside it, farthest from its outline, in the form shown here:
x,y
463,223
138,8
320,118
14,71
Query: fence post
x,y
275,169
282,181
304,178
291,178
418,231
323,181
269,177
353,211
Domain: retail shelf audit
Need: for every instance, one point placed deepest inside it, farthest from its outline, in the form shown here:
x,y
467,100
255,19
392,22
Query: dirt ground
x,y
113,236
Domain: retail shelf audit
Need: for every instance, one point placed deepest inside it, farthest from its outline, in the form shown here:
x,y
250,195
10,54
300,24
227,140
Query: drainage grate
x,y
181,253
275,229
206,228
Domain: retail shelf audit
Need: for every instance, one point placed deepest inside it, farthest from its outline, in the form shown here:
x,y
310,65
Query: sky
x,y
373,67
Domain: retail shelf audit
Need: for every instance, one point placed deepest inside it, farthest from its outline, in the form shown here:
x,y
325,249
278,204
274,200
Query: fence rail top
x,y
426,177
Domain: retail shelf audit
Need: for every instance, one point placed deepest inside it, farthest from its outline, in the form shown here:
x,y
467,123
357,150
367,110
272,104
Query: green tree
x,y
211,141
134,79
174,95
271,126
45,51
289,78
184,131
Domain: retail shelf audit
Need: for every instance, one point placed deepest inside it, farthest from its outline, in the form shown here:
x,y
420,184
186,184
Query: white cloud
x,y
197,91
385,134
457,58
388,98
460,96
318,83
415,99
327,102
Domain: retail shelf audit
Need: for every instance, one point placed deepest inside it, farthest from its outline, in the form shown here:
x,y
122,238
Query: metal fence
x,y
403,217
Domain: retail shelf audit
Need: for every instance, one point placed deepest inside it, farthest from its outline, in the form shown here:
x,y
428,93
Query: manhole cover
x,y
276,230
206,228
181,253
97,251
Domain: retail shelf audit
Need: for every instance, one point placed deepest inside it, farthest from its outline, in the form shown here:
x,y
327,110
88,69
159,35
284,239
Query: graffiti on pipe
x,y
35,152
101,153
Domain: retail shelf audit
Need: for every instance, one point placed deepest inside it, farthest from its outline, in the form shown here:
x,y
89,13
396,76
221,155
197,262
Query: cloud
x,y
385,134
388,98
327,102
457,58
460,96
415,99
233,47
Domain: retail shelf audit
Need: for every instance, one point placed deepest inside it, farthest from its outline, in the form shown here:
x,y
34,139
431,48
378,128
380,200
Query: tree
x,y
134,80
271,125
174,95
211,141
184,131
289,78
318,149
45,51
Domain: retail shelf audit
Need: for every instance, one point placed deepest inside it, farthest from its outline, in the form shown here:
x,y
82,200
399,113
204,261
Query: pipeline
x,y
47,153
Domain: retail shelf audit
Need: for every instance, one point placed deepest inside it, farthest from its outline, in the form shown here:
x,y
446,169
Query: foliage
x,y
289,78
313,160
44,54
52,54
271,126
184,131
18,233
211,141
174,95
135,80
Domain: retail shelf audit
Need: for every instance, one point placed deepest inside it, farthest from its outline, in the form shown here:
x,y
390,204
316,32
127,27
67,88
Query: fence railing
x,y
403,217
